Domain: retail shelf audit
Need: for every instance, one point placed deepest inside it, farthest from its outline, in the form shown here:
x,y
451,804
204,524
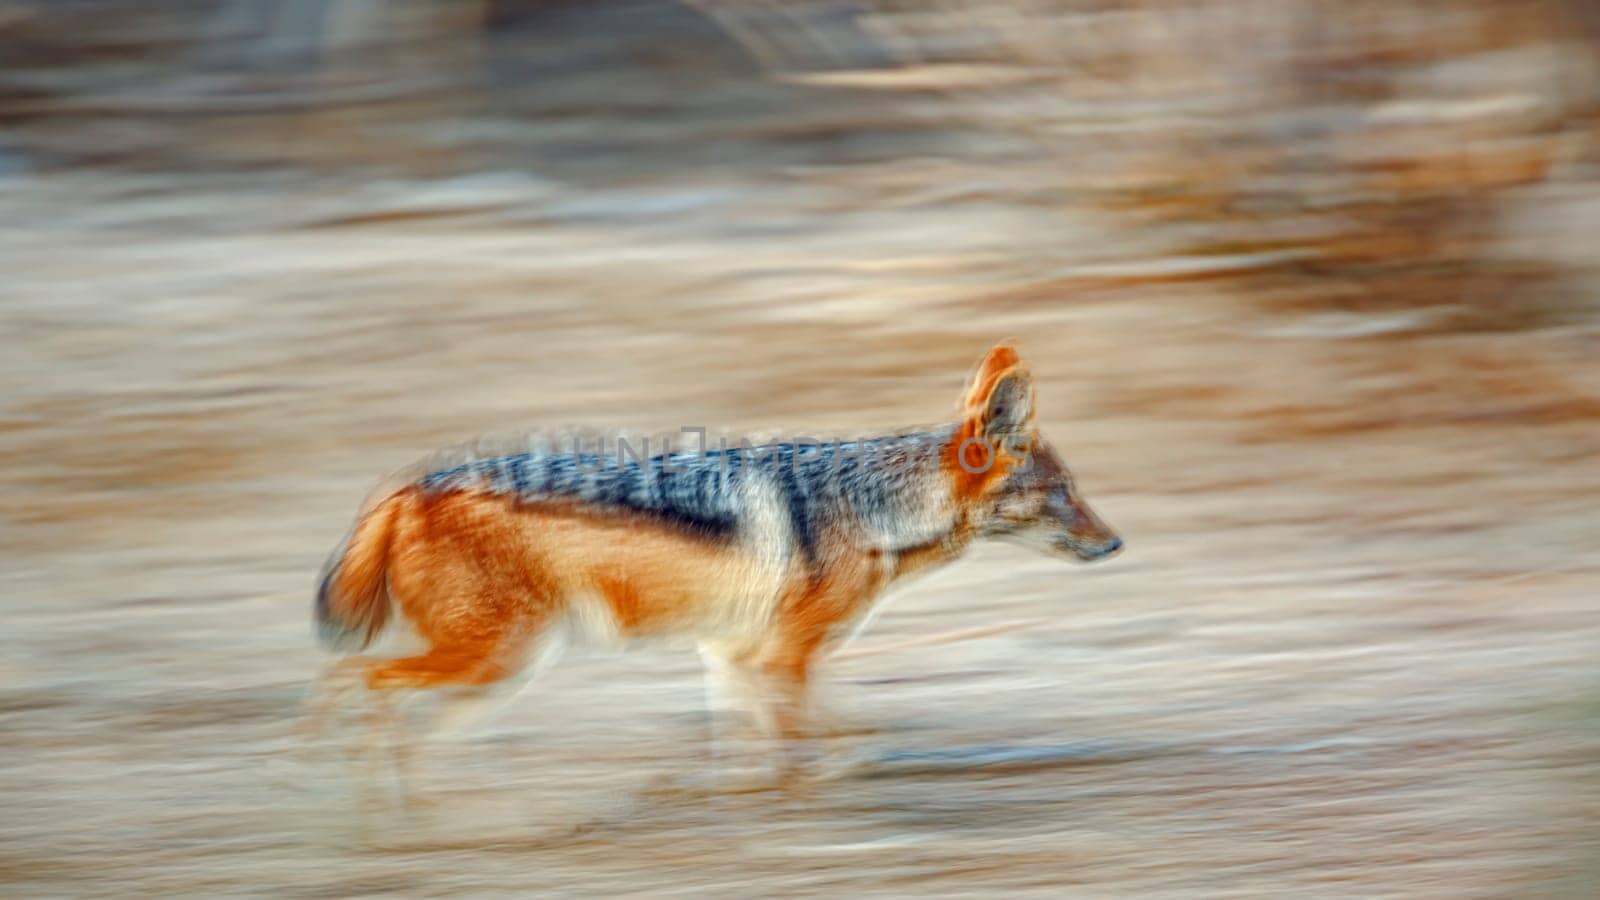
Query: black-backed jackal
x,y
767,557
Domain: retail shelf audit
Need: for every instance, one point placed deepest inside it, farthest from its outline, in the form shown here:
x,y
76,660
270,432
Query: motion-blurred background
x,y
1309,286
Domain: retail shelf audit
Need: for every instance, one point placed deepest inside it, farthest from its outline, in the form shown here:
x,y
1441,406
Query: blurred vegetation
x,y
1422,166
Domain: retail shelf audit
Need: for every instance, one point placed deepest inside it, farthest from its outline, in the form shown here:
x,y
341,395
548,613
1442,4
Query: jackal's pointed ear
x,y
999,360
1009,406
1001,396
1001,357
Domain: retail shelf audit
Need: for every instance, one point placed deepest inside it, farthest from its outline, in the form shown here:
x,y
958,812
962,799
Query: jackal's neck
x,y
900,495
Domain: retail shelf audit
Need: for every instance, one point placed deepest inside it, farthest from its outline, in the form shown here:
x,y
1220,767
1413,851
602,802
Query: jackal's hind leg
x,y
457,713
330,695
339,679
466,676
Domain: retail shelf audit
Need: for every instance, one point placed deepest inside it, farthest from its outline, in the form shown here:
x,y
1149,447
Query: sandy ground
x,y
1350,649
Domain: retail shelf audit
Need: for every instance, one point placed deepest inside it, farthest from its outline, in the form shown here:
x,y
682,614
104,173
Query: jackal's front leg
x,y
742,724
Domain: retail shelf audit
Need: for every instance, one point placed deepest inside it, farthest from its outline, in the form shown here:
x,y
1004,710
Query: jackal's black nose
x,y
1110,549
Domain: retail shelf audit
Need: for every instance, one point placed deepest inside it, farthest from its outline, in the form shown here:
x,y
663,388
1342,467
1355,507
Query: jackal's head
x,y
1019,487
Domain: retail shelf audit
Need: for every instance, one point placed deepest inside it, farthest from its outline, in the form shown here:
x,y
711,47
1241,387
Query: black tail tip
x,y
332,633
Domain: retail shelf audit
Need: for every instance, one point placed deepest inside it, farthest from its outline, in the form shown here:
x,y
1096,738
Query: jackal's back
x,y
819,488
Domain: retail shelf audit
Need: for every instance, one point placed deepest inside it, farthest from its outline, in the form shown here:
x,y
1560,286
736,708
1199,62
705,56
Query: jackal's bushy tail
x,y
353,596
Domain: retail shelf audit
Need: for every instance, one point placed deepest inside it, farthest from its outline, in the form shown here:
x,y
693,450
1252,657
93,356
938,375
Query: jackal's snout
x,y
1089,538
1096,552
